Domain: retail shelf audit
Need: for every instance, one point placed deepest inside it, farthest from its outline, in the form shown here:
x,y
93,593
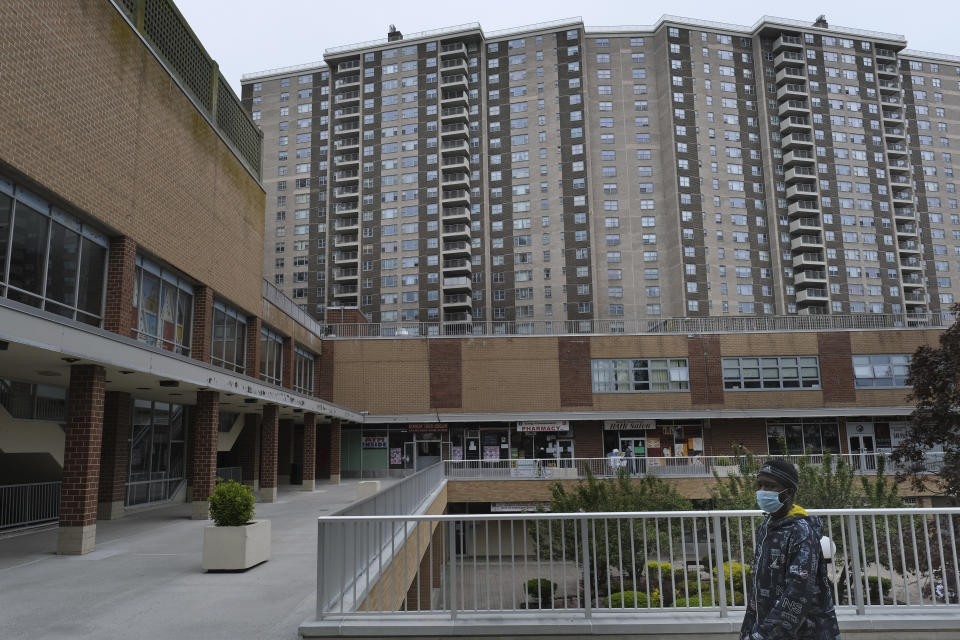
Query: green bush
x,y
738,571
541,589
231,504
654,569
633,599
706,599
873,588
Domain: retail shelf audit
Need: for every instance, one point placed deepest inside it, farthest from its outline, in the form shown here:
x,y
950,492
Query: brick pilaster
x,y
119,315
202,323
323,379
252,365
206,417
309,451
114,454
317,372
268,453
334,434
81,460
248,450
286,371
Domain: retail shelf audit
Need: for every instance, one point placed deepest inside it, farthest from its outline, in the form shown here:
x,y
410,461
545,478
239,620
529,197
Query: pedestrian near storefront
x,y
790,592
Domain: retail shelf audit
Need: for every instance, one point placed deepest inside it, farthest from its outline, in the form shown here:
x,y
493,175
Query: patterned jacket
x,y
790,594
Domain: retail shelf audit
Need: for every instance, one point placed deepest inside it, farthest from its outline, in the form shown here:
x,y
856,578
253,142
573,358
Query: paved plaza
x,y
144,579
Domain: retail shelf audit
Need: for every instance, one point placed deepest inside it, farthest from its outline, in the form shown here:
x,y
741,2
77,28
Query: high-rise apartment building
x,y
557,173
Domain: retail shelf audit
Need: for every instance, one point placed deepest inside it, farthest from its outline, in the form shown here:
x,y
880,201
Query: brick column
x,y
119,315
268,453
81,460
248,450
114,454
334,433
285,444
202,323
252,367
286,372
317,372
309,451
206,415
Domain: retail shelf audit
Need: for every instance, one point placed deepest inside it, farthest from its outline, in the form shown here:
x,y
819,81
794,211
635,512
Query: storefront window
x,y
800,436
157,452
163,307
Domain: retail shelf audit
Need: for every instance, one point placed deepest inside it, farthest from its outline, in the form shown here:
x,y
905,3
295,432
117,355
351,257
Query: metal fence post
x,y
587,612
857,571
320,594
452,573
718,551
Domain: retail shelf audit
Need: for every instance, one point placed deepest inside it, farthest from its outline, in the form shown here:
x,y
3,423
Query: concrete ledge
x,y
76,541
928,623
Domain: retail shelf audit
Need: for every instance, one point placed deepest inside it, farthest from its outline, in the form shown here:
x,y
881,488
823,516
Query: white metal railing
x,y
666,467
469,26
887,559
711,324
404,496
279,299
23,505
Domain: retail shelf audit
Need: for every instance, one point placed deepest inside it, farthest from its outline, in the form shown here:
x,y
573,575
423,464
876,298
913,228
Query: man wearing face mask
x,y
790,592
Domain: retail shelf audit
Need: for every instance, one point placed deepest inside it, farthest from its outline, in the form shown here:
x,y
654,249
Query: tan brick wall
x,y
122,143
514,374
278,320
381,376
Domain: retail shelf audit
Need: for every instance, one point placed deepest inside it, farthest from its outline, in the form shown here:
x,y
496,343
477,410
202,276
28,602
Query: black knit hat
x,y
781,471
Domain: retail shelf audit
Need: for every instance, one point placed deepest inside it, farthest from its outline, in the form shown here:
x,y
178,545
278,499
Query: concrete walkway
x,y
144,579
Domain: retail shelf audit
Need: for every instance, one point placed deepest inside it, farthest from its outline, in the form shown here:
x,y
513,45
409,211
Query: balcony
x,y
347,97
346,224
798,124
806,242
342,257
895,149
904,180
453,49
345,273
885,54
904,213
453,114
348,175
346,240
458,246
788,57
455,163
348,65
456,180
911,264
456,282
451,131
453,65
809,277
344,289
456,214
915,297
913,281
889,86
456,232
813,259
457,299
454,98
803,208
346,144
902,197
458,81
346,127
800,173
341,208
454,146
792,90
906,230
898,165
346,192
791,74
347,81
455,196
811,295
887,70
795,107
894,132
788,42
805,224
797,140
461,316
456,265
798,156
801,190
346,159
892,116
908,246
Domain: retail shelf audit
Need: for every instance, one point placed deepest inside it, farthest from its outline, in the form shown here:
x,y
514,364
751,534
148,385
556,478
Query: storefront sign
x,y
517,507
629,425
544,425
396,456
427,427
374,442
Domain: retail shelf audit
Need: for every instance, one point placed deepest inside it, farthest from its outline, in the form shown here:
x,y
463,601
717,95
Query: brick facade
x,y
333,432
114,454
202,323
81,459
309,450
588,439
576,386
706,371
119,316
248,449
836,367
268,453
323,374
445,369
286,368
722,435
206,418
252,355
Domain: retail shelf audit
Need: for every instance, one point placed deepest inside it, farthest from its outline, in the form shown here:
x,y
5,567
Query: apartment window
x,y
879,371
271,357
71,255
228,342
302,371
623,375
775,372
163,303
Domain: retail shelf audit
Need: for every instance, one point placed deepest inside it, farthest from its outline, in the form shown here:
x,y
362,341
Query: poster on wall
x,y
491,452
374,442
396,455
653,443
456,453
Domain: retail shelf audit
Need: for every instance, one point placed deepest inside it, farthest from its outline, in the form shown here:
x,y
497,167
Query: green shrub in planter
x,y
633,600
706,599
655,569
541,589
737,570
231,504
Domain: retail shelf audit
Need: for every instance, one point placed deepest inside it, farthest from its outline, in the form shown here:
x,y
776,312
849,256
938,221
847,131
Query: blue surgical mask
x,y
769,501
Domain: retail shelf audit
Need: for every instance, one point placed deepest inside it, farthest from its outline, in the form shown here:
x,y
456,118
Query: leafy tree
x,y
934,375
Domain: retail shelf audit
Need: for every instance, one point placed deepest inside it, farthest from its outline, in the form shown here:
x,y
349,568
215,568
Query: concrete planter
x,y
236,548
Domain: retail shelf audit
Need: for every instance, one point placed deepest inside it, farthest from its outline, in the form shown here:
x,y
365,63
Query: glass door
x,y
862,446
635,454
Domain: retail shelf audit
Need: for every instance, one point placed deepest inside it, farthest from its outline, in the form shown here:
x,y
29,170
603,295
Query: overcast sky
x,y
244,36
